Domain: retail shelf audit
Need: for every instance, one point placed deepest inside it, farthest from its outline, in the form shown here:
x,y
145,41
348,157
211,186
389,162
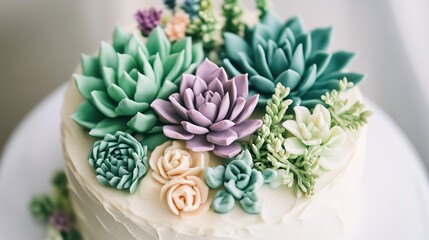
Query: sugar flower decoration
x,y
173,160
175,28
313,129
276,52
148,20
240,182
186,196
122,81
119,161
210,112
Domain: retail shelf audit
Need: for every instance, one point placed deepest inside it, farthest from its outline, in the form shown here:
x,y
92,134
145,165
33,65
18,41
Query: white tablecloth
x,y
396,196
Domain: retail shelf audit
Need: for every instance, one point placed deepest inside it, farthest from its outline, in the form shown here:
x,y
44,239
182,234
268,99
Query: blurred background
x,y
41,42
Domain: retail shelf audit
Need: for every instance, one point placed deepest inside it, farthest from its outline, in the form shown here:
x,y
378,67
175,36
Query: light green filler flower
x,y
122,81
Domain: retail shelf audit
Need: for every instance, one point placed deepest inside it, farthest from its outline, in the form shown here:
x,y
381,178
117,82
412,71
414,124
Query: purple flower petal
x,y
165,111
222,125
241,82
199,100
199,86
187,82
219,74
238,107
199,144
227,151
223,138
188,98
248,109
246,128
209,110
198,118
230,87
178,106
206,69
194,129
216,86
223,108
216,99
176,132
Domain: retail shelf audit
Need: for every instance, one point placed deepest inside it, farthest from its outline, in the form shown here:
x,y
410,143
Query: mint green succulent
x,y
240,182
275,52
122,81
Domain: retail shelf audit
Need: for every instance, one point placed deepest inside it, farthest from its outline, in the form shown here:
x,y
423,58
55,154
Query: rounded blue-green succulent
x,y
119,161
127,76
275,52
240,183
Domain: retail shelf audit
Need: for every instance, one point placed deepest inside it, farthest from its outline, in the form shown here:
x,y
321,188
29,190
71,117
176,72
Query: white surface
x,y
396,193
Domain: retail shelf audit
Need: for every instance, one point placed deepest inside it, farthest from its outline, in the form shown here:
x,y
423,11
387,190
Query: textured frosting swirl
x,y
173,160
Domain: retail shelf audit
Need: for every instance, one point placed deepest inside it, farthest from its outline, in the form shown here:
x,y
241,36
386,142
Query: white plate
x,y
396,194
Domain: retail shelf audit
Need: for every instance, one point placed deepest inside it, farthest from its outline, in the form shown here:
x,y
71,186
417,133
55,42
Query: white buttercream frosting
x,y
106,213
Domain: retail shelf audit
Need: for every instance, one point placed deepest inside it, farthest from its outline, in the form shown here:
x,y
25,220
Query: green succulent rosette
x,y
122,81
274,52
119,161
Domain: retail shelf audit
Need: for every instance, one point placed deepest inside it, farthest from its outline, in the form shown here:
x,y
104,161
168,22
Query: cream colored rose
x,y
186,196
173,160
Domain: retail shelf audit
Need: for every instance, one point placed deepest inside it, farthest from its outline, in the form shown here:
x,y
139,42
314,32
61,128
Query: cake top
x,y
205,105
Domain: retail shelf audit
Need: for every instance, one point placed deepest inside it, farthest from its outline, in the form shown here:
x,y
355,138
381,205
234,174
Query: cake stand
x,y
396,187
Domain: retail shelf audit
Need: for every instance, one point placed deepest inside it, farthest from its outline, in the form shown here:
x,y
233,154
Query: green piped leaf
x,y
108,56
142,122
273,21
339,61
108,125
229,67
86,85
355,78
127,107
158,69
157,42
87,115
288,78
261,63
167,89
116,93
305,40
148,70
120,39
279,63
184,44
197,53
133,45
154,140
173,65
262,84
320,39
234,45
298,61
223,202
90,66
295,25
125,63
308,80
146,89
128,84
109,76
104,103
321,59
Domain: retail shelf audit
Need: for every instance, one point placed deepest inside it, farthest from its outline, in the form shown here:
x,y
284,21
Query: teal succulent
x,y
122,81
275,52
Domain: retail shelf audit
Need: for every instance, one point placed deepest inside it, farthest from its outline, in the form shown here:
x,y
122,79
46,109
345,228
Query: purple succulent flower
x,y
210,112
61,221
148,20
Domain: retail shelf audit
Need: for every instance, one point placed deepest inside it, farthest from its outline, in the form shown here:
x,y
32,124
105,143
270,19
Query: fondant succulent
x,y
240,182
148,20
122,81
275,52
210,112
119,160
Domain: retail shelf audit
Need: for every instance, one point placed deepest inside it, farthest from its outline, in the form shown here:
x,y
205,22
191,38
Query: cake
x,y
179,130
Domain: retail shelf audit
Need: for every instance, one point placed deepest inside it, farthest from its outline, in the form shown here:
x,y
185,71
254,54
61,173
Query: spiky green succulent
x,y
122,81
274,52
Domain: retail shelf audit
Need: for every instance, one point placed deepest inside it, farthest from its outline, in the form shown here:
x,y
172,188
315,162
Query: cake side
x,y
103,212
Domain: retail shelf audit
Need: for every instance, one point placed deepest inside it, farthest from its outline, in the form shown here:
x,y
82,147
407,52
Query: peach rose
x,y
175,28
186,196
173,160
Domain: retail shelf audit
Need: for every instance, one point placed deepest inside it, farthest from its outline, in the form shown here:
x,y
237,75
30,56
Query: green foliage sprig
x,y
267,147
233,12
352,117
203,27
43,207
263,7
